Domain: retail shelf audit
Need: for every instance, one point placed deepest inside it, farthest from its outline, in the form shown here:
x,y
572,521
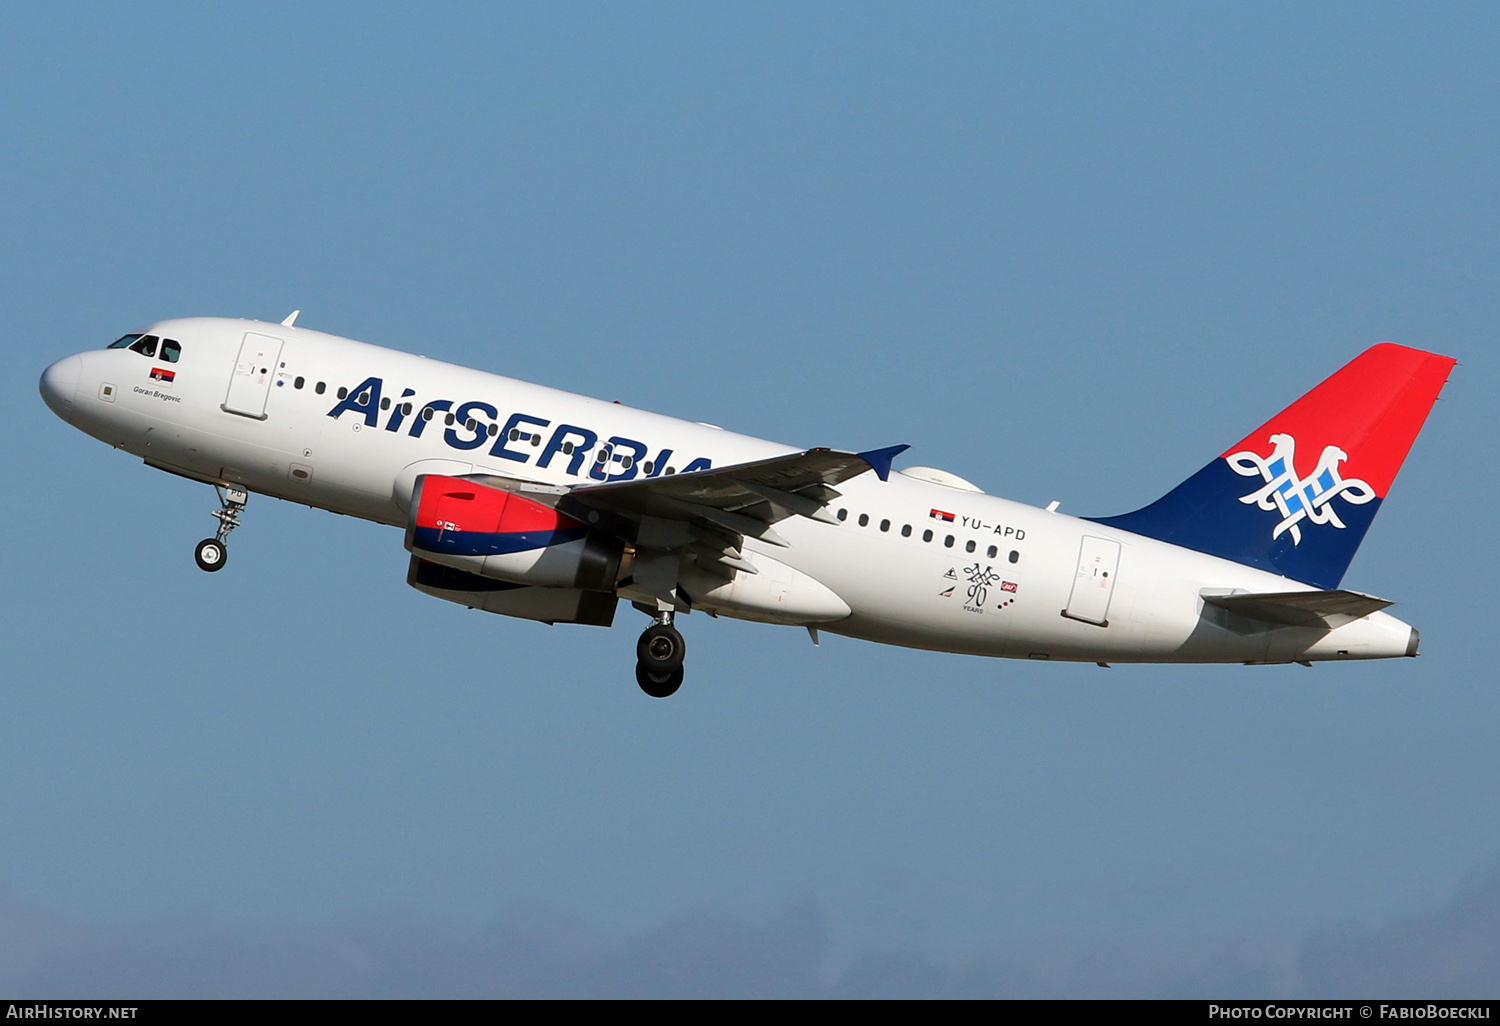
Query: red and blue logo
x,y
166,377
1299,498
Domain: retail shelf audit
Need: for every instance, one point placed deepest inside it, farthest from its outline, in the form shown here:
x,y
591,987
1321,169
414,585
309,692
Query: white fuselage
x,y
1000,579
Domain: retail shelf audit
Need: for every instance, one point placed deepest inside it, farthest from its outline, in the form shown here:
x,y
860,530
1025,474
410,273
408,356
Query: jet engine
x,y
498,534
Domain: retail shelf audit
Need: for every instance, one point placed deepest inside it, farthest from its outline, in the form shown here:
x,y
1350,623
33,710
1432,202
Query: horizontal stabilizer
x,y
1321,609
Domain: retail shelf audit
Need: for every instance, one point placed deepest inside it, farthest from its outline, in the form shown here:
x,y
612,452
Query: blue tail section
x,y
1296,496
1205,513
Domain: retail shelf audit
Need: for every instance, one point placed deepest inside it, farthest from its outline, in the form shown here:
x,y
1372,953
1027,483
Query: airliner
x,y
541,504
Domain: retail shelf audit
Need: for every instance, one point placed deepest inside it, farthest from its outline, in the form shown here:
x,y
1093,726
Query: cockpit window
x,y
124,341
170,350
146,346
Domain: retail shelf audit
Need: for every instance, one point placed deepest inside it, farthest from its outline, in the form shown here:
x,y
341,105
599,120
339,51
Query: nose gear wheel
x,y
210,555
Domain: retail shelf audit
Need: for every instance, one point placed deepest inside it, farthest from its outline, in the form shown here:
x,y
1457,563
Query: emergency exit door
x,y
1098,559
250,385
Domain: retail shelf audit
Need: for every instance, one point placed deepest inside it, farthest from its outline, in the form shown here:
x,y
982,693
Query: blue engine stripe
x,y
478,543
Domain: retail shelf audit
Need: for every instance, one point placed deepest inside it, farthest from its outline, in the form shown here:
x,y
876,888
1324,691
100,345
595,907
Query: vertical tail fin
x,y
1297,495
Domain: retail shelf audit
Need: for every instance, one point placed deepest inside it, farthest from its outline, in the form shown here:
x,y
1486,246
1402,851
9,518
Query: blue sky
x,y
1068,253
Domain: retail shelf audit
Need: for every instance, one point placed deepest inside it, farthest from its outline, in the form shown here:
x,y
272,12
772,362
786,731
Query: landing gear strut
x,y
211,553
659,655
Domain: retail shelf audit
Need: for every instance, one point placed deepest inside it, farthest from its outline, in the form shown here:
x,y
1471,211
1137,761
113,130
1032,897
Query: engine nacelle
x,y
495,533
549,605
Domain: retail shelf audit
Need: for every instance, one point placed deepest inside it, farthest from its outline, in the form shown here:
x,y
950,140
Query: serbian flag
x,y
938,514
163,375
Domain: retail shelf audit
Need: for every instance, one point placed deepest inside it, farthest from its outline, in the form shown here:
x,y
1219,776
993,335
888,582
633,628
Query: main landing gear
x,y
211,552
659,655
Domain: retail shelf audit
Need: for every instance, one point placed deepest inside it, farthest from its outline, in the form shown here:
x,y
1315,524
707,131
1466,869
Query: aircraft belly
x,y
904,594
945,599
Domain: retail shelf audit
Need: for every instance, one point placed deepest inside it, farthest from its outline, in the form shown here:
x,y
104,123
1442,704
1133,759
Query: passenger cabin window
x,y
927,536
146,345
864,520
171,352
124,341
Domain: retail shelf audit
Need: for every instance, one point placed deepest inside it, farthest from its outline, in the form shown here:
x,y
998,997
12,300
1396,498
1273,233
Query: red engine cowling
x,y
499,534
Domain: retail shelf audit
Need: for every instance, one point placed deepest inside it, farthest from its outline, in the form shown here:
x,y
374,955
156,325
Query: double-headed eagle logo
x,y
1299,498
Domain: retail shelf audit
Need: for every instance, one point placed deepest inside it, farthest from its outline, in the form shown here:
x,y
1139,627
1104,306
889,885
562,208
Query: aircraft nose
x,y
59,384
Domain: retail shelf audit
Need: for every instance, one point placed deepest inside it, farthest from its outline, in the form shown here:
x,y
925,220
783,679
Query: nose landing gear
x,y
211,553
659,655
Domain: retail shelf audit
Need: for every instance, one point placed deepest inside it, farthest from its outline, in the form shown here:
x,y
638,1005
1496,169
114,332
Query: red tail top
x,y
1372,408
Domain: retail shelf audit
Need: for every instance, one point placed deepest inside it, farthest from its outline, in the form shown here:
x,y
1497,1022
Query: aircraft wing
x,y
743,499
